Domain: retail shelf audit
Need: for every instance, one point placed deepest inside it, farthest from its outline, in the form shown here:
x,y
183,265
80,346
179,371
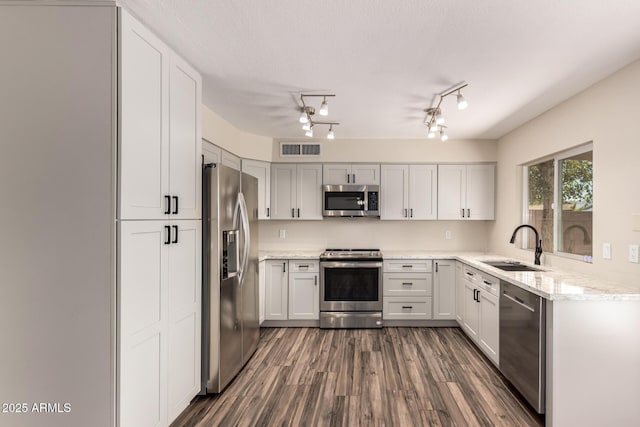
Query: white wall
x,y
607,114
396,150
223,134
373,233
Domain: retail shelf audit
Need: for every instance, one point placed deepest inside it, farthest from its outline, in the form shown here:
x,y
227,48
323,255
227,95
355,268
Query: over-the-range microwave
x,y
350,200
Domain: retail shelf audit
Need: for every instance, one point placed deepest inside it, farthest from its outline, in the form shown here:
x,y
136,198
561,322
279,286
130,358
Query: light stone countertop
x,y
552,284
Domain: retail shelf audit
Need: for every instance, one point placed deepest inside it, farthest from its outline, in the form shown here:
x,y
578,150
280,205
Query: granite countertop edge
x,y
551,284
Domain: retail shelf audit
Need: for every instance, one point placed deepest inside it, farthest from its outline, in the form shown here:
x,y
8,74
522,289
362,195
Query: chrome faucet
x,y
538,251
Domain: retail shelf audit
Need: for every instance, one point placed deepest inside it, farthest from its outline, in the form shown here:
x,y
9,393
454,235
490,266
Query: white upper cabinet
x,y
347,173
262,171
296,191
394,191
408,192
230,160
144,126
466,192
159,144
185,162
211,153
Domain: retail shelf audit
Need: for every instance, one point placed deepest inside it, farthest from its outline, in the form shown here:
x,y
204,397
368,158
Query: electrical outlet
x,y
633,253
447,235
606,250
282,234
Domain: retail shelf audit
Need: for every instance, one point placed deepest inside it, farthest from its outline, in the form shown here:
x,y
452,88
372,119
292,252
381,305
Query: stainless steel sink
x,y
507,265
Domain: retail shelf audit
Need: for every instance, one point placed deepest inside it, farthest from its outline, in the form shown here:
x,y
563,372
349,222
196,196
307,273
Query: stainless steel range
x,y
351,291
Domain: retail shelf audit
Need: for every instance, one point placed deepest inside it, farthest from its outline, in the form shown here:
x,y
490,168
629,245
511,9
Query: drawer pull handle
x,y
487,283
407,307
469,274
304,266
407,284
407,266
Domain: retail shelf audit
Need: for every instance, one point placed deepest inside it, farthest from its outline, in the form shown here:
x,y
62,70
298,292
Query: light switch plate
x,y
447,235
633,253
282,234
606,250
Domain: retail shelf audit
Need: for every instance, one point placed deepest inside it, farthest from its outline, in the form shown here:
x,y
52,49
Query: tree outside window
x,y
564,182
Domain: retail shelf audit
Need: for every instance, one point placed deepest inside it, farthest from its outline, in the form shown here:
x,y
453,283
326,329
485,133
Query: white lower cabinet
x,y
479,314
160,316
407,290
444,289
276,290
292,290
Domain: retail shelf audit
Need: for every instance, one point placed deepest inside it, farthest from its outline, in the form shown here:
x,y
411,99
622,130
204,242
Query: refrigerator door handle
x,y
241,222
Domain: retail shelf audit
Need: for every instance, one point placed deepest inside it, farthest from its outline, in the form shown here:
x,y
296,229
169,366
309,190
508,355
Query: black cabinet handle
x,y
468,213
175,208
167,200
354,178
293,213
168,234
268,213
175,239
284,267
348,178
436,267
462,213
410,307
298,212
407,284
411,211
474,294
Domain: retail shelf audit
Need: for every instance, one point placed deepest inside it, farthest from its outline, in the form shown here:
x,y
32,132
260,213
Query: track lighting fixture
x,y
308,112
434,120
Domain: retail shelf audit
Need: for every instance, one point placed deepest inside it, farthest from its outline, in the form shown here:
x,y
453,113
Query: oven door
x,y
344,200
351,286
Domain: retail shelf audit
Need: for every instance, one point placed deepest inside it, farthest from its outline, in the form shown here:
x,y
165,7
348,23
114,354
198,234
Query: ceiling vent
x,y
299,149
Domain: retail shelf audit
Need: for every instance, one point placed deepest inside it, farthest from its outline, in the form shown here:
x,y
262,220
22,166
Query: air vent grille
x,y
299,149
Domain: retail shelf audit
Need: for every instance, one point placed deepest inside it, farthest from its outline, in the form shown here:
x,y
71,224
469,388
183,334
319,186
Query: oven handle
x,y
352,264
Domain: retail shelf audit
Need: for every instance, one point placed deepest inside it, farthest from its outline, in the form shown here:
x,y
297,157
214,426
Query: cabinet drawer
x,y
471,274
303,266
408,266
406,284
490,284
406,308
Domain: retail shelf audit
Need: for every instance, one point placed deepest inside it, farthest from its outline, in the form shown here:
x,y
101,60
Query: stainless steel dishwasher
x,y
522,342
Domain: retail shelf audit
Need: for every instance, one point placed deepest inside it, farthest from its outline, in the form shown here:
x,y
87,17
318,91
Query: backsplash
x,y
374,233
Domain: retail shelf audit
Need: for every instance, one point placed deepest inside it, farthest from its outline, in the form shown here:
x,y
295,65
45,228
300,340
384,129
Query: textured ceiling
x,y
386,60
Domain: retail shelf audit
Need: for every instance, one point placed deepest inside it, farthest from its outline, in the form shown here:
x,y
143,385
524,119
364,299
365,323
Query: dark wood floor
x,y
362,377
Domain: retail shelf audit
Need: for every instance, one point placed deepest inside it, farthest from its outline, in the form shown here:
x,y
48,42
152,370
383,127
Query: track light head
x,y
309,133
330,134
431,135
306,126
462,102
443,135
324,108
433,127
303,117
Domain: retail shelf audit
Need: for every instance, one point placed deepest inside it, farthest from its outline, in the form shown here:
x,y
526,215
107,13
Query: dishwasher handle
x,y
519,302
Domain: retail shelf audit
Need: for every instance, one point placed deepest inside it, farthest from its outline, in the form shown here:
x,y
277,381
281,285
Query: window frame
x,y
557,194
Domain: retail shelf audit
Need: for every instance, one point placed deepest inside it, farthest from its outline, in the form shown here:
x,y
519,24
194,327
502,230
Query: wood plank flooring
x,y
363,377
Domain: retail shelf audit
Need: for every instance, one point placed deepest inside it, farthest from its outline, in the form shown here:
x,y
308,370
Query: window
x,y
559,202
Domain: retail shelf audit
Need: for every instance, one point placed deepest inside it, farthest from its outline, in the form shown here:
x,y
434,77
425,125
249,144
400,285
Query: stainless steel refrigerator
x,y
230,314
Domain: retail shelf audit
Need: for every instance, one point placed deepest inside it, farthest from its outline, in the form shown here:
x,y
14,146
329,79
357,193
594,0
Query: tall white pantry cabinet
x,y
100,285
159,228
